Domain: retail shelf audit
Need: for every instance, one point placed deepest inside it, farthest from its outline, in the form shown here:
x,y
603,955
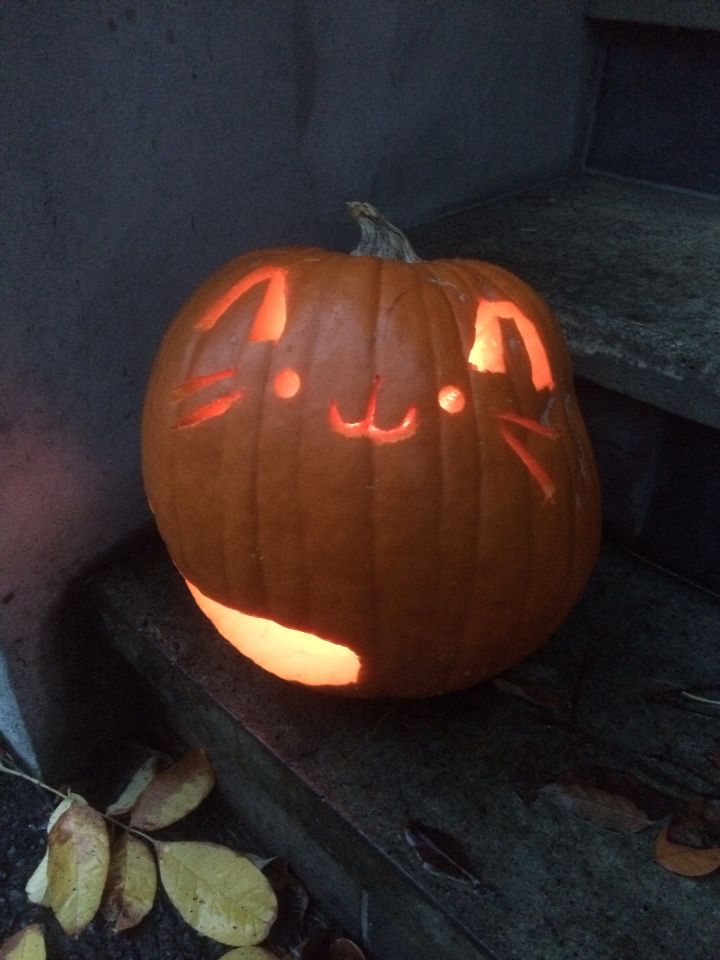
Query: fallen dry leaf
x,y
78,860
218,892
530,691
608,798
28,944
131,883
441,853
344,949
139,781
687,861
326,945
317,947
37,886
696,823
249,953
172,794
260,862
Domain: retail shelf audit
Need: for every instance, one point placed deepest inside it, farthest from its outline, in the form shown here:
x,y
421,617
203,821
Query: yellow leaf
x,y
78,858
174,793
248,953
131,883
138,782
29,944
686,861
37,886
218,892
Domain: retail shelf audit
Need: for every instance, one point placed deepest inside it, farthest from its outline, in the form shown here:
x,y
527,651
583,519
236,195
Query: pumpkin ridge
x,y
372,472
583,487
461,282
462,621
372,455
302,442
566,437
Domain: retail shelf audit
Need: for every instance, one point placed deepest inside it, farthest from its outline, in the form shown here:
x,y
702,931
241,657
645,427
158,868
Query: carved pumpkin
x,y
370,469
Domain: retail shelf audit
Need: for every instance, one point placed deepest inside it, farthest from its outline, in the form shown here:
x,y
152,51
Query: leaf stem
x,y
127,828
694,696
58,793
26,776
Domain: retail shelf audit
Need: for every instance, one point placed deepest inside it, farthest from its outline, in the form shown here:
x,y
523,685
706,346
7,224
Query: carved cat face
x,y
498,326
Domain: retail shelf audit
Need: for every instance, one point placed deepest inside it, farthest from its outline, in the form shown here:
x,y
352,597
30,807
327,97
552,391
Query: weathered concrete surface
x,y
331,783
631,271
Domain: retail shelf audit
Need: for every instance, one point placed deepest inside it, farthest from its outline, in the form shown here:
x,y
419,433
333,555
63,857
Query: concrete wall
x,y
658,103
149,141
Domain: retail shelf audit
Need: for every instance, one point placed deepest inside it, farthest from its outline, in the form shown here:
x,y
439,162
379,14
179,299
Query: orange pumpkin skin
x,y
387,455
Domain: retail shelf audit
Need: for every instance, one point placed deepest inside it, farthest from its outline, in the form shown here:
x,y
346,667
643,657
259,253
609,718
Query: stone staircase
x,y
335,785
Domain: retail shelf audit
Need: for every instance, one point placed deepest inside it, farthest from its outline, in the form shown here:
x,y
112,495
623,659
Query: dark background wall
x,y
147,142
658,105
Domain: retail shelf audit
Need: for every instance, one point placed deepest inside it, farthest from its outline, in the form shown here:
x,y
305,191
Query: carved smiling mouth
x,y
367,426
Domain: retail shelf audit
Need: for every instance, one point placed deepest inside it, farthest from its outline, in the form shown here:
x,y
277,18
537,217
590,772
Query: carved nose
x,y
367,426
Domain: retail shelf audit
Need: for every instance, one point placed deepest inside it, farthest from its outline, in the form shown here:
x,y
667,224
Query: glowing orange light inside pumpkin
x,y
195,384
215,408
534,425
367,426
288,653
286,384
451,399
532,464
488,355
271,316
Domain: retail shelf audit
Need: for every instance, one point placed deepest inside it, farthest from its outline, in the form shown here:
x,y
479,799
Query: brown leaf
x,y
326,945
28,944
343,949
131,883
530,691
441,853
317,947
609,798
686,861
78,859
696,823
173,793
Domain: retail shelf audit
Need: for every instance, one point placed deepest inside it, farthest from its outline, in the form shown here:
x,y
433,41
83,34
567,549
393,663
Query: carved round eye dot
x,y
451,398
287,383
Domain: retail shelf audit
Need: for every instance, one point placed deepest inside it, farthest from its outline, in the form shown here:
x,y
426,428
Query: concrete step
x,y
631,270
332,783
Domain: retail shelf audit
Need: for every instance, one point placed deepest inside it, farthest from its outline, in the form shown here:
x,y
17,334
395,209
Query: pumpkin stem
x,y
378,237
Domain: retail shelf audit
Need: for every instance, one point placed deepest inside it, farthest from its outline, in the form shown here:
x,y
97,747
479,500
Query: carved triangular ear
x,y
519,367
488,352
270,319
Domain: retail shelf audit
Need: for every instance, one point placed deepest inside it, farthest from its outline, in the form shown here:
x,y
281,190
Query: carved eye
x,y
286,383
451,398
